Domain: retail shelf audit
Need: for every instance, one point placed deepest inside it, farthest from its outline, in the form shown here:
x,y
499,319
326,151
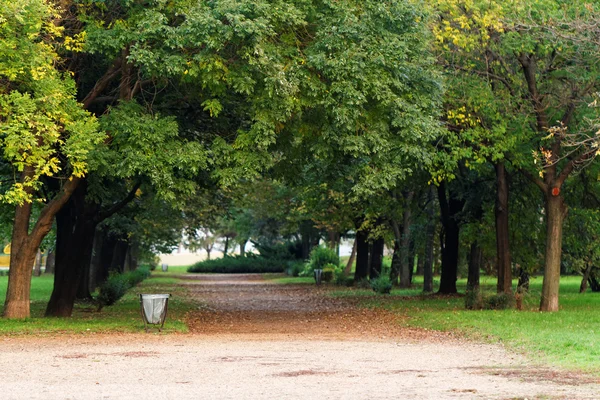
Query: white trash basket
x,y
154,309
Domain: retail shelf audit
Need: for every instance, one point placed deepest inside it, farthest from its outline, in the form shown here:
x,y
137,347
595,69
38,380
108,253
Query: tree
x,y
46,135
538,73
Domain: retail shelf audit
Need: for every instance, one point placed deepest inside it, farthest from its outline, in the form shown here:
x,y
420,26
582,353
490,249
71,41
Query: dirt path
x,y
255,340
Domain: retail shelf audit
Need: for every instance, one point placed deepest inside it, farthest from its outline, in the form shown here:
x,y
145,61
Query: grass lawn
x,y
569,338
124,316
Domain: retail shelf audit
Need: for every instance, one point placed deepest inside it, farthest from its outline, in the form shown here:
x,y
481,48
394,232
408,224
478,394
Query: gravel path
x,y
253,340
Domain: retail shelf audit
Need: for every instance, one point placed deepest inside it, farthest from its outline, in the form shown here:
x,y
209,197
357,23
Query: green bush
x,y
320,257
294,268
501,301
473,299
329,272
117,285
240,265
382,284
280,251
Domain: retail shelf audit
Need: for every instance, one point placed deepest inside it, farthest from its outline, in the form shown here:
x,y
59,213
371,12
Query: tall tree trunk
x,y
50,258
376,258
117,264
22,256
502,232
411,260
556,212
405,273
475,260
37,268
451,233
362,256
429,243
226,247
397,256
25,244
95,260
75,227
243,248
348,268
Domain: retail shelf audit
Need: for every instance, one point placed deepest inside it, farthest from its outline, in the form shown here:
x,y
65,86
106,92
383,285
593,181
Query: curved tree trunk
x,y
24,246
348,268
556,212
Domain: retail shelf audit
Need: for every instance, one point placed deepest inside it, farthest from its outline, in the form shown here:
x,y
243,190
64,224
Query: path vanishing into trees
x,y
253,339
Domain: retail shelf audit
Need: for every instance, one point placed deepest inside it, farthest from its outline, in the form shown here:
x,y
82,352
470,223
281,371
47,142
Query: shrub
x,y
280,251
240,265
117,285
294,268
320,257
501,301
382,284
363,284
329,272
473,299
112,290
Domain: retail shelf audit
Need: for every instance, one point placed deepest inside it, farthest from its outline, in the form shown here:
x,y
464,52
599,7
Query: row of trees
x,y
127,121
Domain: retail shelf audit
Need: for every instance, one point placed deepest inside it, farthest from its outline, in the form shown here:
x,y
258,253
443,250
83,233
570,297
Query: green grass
x,y
172,270
124,316
569,338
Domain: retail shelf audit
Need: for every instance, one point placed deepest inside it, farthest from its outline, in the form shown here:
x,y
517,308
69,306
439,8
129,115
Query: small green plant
x,y
112,290
501,301
363,284
320,258
329,271
117,285
473,299
382,284
294,268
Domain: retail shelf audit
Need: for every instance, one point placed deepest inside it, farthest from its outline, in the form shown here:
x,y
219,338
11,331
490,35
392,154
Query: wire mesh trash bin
x,y
318,274
154,309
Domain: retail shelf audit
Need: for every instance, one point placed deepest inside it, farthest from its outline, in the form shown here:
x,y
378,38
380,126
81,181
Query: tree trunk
x,y
37,268
396,268
405,273
451,234
348,268
523,285
556,212
50,258
243,248
585,278
594,284
117,264
376,258
475,260
226,247
22,256
25,244
429,243
362,256
75,227
502,232
95,260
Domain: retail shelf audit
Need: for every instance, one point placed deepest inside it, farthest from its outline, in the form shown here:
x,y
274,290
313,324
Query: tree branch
x,y
120,205
534,179
102,83
566,171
